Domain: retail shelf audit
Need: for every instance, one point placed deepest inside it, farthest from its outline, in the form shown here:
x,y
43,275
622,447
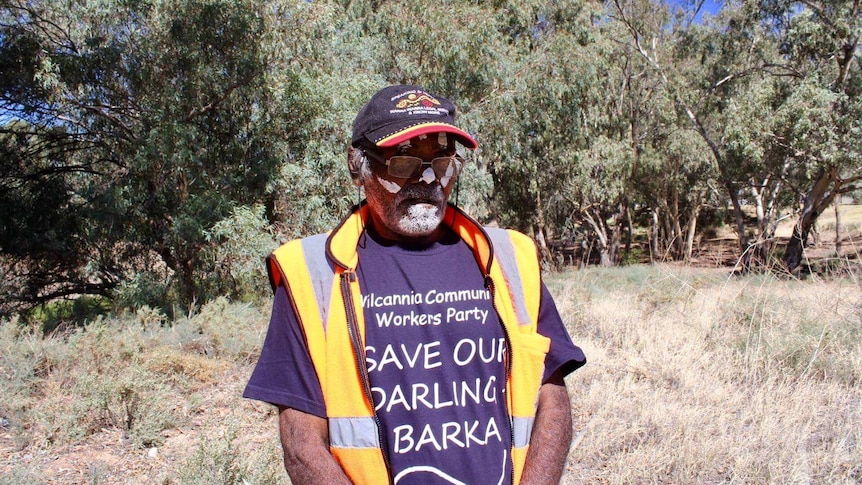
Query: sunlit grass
x,y
701,377
694,376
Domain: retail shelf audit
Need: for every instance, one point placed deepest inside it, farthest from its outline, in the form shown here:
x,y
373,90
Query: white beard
x,y
420,220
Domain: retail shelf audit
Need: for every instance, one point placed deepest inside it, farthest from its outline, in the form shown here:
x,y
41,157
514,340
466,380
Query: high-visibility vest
x,y
319,273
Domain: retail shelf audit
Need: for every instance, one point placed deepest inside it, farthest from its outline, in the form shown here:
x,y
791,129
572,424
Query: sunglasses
x,y
407,167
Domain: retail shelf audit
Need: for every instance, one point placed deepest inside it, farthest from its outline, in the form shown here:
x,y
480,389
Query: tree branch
x,y
213,105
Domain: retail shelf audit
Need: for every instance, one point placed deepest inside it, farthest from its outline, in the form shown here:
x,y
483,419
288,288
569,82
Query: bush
x,y
66,313
147,288
223,329
220,458
237,247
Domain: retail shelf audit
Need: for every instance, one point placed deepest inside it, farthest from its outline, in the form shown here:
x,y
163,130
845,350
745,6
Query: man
x,y
411,345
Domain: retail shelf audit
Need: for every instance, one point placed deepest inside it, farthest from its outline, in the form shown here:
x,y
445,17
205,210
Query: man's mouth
x,y
417,196
420,200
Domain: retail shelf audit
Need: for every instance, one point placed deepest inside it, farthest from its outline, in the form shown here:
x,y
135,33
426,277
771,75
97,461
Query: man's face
x,y
409,209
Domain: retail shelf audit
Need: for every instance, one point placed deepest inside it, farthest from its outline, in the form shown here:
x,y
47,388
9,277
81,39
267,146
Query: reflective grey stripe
x,y
522,429
353,433
504,252
320,271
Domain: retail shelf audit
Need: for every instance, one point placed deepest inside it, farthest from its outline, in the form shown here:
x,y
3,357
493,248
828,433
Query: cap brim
x,y
424,129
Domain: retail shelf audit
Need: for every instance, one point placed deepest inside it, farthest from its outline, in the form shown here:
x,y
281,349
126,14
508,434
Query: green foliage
x,y
145,288
177,126
220,459
150,151
235,255
62,314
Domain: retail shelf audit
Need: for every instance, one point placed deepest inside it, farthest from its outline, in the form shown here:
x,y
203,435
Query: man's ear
x,y
354,164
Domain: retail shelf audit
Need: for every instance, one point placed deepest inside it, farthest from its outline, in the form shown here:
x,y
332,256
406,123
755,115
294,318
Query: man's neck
x,y
388,238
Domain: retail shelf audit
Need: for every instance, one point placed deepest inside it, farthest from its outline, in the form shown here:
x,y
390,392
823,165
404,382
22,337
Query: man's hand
x,y
552,435
305,441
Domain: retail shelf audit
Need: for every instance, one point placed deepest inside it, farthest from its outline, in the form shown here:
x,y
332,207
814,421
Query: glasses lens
x,y
446,166
404,167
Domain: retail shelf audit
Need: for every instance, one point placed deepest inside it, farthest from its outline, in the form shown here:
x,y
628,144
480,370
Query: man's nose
x,y
428,176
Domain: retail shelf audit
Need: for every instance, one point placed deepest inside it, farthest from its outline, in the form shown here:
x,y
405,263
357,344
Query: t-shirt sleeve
x,y
563,355
284,374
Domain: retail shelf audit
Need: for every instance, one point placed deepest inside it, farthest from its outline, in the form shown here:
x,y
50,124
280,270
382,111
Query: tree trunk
x,y
837,229
539,229
542,244
740,218
759,254
677,243
818,199
600,229
654,237
692,229
630,228
616,235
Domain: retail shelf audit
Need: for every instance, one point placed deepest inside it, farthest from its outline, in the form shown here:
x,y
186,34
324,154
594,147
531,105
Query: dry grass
x,y
698,377
850,219
693,377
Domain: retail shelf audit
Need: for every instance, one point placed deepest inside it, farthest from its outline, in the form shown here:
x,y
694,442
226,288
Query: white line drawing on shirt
x,y
444,475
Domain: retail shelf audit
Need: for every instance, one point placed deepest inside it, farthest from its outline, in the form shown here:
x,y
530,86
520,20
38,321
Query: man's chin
x,y
421,219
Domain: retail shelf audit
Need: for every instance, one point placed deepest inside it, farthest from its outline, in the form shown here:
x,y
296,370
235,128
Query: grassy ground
x,y
849,217
697,377
694,376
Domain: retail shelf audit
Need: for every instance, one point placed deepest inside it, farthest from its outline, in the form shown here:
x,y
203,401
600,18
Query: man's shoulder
x,y
518,239
305,241
311,249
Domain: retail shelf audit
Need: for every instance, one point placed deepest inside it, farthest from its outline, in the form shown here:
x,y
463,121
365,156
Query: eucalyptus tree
x,y
676,180
533,121
819,120
162,114
459,49
509,68
706,70
321,58
629,119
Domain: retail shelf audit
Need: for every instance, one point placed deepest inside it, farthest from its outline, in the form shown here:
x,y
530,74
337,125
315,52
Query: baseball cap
x,y
398,113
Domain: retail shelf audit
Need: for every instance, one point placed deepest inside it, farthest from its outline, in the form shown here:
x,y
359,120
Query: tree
x,y
162,115
533,121
705,70
821,115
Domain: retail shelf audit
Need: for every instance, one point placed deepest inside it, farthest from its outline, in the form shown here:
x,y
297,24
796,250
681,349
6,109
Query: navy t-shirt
x,y
435,357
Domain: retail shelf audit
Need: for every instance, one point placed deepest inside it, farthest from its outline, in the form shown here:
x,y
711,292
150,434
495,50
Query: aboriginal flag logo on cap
x,y
418,99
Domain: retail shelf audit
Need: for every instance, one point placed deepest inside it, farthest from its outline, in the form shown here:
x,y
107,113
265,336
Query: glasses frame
x,y
439,165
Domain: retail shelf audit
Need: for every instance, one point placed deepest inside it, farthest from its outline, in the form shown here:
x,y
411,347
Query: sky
x,y
709,6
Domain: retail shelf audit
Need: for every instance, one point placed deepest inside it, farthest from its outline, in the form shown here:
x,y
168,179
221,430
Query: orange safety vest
x,y
319,273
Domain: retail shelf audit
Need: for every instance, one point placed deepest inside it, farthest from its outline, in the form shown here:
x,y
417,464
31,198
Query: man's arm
x,y
305,441
552,434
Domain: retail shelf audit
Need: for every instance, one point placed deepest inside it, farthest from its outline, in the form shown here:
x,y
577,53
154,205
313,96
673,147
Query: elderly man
x,y
410,344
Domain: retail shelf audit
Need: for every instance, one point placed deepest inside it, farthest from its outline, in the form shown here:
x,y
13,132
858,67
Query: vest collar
x,y
343,240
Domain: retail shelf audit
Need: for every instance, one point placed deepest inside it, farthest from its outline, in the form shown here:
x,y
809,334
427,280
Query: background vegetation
x,y
151,151
695,376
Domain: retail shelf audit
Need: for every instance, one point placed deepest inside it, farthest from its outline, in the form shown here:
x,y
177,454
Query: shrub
x,y
237,247
228,329
150,288
221,458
